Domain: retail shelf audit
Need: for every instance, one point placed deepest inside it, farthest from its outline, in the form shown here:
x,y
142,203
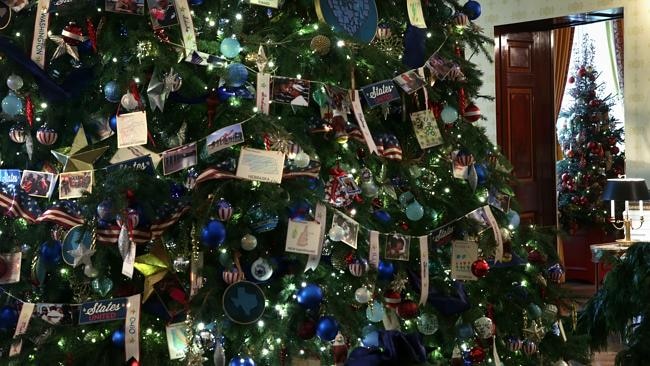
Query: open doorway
x,y
528,102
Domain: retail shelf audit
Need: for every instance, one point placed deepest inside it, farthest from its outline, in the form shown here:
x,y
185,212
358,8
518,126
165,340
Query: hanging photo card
x,y
131,129
179,158
463,254
291,91
350,228
38,184
380,93
74,184
224,138
5,15
268,3
409,81
177,340
398,247
125,6
459,171
303,237
162,13
56,314
135,152
12,261
261,165
426,129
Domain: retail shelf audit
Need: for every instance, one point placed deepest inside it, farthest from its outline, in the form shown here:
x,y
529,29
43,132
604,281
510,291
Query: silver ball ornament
x,y
336,233
181,264
484,327
14,82
362,295
248,242
427,324
301,160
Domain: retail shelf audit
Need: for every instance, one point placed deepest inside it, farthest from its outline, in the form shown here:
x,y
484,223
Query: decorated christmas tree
x,y
261,183
591,140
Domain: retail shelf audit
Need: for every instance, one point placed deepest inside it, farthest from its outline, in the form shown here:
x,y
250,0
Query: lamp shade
x,y
626,189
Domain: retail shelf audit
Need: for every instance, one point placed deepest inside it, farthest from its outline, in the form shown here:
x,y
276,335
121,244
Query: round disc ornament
x,y
358,18
73,239
243,302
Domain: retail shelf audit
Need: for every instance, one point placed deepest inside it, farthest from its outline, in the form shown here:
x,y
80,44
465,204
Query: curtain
x,y
616,33
562,47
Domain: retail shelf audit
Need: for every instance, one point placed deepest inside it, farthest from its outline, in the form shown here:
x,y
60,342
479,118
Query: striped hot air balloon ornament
x,y
529,347
46,136
231,276
514,344
224,210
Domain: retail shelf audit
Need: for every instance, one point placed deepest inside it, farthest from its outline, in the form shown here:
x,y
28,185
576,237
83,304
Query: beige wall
x,y
637,62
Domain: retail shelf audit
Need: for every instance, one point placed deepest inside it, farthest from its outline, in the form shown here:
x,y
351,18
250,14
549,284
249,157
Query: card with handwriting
x,y
426,129
131,129
177,340
463,254
303,237
261,165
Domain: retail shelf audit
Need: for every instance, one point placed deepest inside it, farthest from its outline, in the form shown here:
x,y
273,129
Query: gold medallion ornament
x,y
320,45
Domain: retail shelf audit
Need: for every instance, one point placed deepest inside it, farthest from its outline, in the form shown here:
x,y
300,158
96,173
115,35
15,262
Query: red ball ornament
x,y
480,268
594,103
566,177
570,153
582,72
392,299
591,145
477,355
307,329
614,150
472,113
572,79
72,34
534,256
408,309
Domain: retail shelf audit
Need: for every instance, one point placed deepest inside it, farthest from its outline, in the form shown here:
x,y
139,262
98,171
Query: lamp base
x,y
625,242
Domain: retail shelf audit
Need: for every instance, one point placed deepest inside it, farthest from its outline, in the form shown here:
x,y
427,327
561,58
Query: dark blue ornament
x,y
123,31
8,318
310,296
236,74
117,338
86,47
481,173
105,210
241,361
472,9
224,93
112,92
382,216
177,191
103,224
213,234
327,328
300,210
385,270
414,47
261,219
112,122
465,331
196,2
50,253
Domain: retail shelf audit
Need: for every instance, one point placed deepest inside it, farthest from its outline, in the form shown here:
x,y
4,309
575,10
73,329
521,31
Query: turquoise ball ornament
x,y
12,105
414,211
236,75
375,312
112,92
230,47
449,114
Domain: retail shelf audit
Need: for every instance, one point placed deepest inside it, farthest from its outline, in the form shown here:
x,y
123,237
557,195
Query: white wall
x,y
637,63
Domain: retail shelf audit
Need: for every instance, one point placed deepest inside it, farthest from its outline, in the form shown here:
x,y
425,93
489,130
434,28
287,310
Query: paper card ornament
x,y
261,165
177,340
243,302
350,228
426,129
463,254
303,237
13,264
131,129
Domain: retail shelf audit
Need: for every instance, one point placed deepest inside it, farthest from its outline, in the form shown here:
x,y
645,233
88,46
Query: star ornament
x,y
63,47
81,255
154,266
77,157
534,331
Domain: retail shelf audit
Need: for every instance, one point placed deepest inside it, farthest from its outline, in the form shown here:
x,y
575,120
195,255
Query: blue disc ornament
x,y
472,9
243,302
117,338
8,318
236,74
12,105
327,328
382,216
50,253
241,361
357,18
310,296
112,92
213,234
75,237
230,47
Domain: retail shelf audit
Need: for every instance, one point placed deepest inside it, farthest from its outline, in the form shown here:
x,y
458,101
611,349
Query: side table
x,y
600,251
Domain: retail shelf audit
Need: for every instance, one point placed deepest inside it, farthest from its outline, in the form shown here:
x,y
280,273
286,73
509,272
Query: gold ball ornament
x,y
320,45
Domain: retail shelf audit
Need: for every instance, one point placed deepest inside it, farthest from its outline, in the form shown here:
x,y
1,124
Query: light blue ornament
x,y
236,75
406,198
375,312
414,211
112,92
514,219
371,339
230,47
12,105
449,114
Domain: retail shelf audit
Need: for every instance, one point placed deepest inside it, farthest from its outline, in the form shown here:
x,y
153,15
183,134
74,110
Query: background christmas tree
x,y
412,192
591,140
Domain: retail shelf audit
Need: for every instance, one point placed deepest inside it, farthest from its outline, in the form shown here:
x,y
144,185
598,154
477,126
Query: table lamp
x,y
625,189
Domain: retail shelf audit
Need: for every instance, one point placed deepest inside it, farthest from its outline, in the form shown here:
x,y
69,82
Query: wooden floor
x,y
584,292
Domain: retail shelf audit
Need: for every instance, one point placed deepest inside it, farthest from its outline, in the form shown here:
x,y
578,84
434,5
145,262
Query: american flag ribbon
x,y
216,173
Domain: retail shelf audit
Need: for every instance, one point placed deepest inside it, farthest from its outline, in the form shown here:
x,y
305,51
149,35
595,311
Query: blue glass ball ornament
x,y
117,338
8,318
261,219
236,74
105,210
375,312
196,2
230,47
213,234
481,173
123,31
370,336
310,296
50,253
12,105
300,210
472,9
224,93
449,114
513,219
112,92
241,361
465,331
385,271
327,328
414,211
112,122
382,216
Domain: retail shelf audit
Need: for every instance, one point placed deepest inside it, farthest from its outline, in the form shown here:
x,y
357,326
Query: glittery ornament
x,y
320,45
